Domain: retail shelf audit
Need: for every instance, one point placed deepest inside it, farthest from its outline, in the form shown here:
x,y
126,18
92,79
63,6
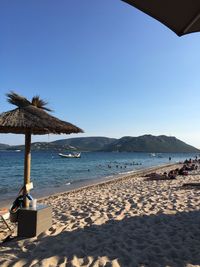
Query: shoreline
x,y
108,180
46,193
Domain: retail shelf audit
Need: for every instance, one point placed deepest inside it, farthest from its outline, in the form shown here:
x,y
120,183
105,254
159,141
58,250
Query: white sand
x,y
128,222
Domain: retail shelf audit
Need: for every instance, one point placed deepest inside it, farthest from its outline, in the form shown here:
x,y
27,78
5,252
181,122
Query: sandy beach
x,y
124,222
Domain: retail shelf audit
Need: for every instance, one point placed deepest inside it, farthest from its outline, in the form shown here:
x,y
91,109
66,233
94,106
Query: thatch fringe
x,y
30,117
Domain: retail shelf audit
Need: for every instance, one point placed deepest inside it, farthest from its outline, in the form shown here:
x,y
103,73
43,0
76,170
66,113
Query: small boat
x,y
70,155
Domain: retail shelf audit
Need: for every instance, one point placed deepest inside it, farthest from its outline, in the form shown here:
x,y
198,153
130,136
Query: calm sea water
x,y
51,173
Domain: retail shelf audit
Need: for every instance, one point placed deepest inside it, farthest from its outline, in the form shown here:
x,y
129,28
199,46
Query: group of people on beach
x,y
188,165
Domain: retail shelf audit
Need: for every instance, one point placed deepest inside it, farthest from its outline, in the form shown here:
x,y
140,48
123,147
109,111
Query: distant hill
x,y
150,143
144,143
85,143
39,146
72,144
4,146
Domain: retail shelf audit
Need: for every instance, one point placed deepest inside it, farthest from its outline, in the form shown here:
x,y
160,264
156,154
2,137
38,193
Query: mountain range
x,y
145,143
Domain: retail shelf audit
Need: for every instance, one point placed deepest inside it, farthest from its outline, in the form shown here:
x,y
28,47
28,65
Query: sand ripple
x,y
127,222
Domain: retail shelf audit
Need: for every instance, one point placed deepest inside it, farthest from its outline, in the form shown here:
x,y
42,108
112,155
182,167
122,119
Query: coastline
x,y
45,193
107,180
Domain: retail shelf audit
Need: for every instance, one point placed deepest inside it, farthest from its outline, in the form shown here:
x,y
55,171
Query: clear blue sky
x,y
102,65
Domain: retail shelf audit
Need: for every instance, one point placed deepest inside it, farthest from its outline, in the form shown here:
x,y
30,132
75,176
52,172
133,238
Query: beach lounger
x,y
158,177
191,185
4,215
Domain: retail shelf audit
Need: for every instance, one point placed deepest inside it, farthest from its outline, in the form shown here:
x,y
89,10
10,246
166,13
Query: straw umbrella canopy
x,y
181,16
31,118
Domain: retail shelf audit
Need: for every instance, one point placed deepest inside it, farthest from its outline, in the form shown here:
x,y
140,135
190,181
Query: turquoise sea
x,y
51,173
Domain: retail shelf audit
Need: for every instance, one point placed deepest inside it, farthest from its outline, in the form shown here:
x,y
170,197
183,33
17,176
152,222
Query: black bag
x,y
17,204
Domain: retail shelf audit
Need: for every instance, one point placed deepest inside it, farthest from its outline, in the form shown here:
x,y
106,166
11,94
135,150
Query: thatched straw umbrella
x,y
31,118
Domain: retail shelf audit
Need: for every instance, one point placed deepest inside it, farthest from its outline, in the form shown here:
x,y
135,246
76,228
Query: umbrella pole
x,y
27,166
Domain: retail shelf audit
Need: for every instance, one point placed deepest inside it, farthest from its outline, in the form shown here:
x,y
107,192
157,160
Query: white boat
x,y
70,155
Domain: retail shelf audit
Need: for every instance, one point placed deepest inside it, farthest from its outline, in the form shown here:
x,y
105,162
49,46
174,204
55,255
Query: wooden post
x,y
27,165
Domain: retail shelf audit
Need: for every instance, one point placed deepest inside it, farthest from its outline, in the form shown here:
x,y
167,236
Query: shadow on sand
x,y
154,240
